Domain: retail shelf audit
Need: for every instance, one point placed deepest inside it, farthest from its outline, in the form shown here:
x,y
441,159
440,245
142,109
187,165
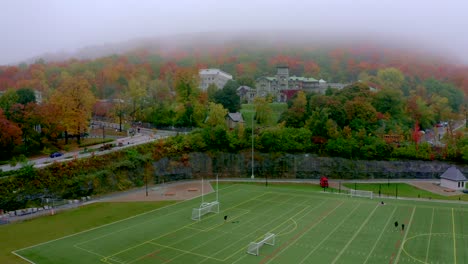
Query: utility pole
x,y
253,176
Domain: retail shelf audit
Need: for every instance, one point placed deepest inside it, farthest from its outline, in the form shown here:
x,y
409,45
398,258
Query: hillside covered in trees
x,y
410,92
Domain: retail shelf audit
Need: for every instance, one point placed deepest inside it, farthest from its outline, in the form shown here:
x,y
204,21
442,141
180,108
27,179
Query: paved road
x,y
145,136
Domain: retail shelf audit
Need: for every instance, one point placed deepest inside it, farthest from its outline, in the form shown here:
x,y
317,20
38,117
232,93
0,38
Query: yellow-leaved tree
x,y
75,102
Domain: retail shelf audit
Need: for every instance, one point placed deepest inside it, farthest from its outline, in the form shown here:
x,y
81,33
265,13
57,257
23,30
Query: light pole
x,y
253,176
103,134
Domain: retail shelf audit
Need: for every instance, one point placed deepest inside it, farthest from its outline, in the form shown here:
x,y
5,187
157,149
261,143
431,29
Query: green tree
x,y
135,94
25,96
296,115
228,96
216,115
391,78
263,111
7,100
389,101
211,91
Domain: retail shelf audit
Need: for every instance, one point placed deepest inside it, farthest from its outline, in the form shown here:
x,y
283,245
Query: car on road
x,y
56,154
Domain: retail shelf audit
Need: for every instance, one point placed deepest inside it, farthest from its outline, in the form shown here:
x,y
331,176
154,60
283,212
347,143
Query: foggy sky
x,y
32,28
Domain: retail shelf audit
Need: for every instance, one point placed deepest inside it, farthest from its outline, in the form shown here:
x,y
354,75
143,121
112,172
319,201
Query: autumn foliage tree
x,y
10,136
75,101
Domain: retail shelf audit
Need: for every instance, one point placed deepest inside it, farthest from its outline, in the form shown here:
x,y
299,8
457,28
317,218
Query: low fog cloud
x,y
31,28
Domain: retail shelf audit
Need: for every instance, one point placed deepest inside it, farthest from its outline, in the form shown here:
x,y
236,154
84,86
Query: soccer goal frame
x,y
361,193
205,208
254,247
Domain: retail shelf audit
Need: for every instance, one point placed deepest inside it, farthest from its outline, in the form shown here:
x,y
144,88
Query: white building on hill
x,y
213,76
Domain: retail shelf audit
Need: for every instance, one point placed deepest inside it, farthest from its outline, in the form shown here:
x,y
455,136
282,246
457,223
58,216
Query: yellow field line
x,y
454,240
404,237
381,233
430,235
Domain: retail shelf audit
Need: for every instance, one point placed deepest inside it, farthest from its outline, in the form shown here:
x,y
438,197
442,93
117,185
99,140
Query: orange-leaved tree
x,y
75,101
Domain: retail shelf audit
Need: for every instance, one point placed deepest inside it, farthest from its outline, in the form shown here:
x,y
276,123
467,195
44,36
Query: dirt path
x,y
434,188
170,191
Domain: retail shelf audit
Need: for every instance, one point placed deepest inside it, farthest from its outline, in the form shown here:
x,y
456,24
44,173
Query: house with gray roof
x,y
234,119
453,179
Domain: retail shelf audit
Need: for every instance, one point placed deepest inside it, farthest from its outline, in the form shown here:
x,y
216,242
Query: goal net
x,y
212,207
361,193
254,247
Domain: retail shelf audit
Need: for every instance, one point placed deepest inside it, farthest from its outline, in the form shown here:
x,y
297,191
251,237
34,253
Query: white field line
x,y
313,208
149,240
243,248
454,239
402,244
25,259
330,233
98,227
430,235
355,234
380,235
200,245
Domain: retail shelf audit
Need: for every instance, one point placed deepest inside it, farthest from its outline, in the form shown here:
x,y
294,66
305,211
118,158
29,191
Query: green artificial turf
x,y
22,234
310,227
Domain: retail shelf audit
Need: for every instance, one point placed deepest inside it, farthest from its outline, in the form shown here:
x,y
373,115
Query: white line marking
x,y
380,236
355,234
402,244
430,235
330,233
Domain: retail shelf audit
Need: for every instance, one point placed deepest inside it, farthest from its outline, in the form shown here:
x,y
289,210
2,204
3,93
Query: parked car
x,y
56,154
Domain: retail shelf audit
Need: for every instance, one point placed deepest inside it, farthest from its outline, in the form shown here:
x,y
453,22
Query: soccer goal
x,y
205,208
361,193
254,247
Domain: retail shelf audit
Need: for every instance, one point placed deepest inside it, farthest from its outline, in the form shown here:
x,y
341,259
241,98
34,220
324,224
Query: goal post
x,y
254,247
361,193
205,208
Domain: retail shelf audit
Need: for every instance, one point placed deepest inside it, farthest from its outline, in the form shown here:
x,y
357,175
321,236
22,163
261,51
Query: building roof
x,y
236,117
244,87
214,72
302,79
453,174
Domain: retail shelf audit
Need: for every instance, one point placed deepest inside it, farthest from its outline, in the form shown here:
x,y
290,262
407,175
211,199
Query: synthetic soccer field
x,y
309,227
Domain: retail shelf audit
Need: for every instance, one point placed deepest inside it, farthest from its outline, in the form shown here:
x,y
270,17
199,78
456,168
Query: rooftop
x,y
214,72
453,174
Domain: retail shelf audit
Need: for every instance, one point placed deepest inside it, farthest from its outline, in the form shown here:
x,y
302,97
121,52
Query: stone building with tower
x,y
282,86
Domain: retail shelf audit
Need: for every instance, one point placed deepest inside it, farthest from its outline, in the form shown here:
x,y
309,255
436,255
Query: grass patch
x,y
248,110
23,234
404,190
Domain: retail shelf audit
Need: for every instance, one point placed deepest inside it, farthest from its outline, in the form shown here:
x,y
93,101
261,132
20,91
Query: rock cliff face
x,y
293,166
